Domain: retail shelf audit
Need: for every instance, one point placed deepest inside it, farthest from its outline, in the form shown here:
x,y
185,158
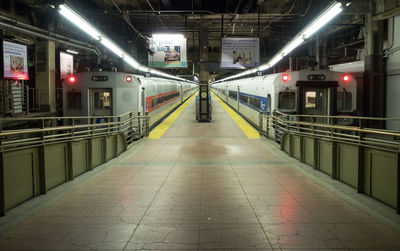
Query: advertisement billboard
x,y
240,53
66,65
168,51
15,58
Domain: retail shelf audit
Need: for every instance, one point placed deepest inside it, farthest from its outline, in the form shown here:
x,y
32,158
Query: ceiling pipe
x,y
45,34
48,37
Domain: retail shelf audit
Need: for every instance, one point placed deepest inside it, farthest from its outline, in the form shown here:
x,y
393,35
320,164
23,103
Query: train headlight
x,y
71,79
285,77
346,78
128,78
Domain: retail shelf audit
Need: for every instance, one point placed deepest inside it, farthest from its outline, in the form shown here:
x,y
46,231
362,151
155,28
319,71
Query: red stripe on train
x,y
149,104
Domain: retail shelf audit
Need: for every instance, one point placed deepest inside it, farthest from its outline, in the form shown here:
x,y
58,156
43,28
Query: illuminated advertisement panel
x,y
240,53
15,58
167,51
66,65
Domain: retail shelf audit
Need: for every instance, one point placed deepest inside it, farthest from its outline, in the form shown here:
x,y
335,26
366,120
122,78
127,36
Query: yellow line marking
x,y
247,129
159,131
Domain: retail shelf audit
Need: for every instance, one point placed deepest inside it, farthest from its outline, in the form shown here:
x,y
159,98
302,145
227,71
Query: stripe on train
x,y
157,101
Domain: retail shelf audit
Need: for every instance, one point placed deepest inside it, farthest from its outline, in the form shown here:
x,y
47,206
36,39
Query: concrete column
x,y
204,88
45,75
374,84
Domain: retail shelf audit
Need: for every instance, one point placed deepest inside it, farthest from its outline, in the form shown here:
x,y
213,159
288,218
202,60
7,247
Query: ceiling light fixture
x,y
72,52
85,26
331,12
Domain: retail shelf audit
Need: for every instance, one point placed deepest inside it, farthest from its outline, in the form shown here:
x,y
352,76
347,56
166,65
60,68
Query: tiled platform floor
x,y
202,186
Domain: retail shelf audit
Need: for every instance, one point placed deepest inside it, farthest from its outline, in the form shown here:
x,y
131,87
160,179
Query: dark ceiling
x,y
131,22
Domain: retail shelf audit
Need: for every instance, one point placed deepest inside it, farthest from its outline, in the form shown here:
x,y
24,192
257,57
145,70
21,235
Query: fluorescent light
x,y
275,60
143,68
292,45
168,36
112,47
132,62
72,52
332,11
72,16
84,25
323,19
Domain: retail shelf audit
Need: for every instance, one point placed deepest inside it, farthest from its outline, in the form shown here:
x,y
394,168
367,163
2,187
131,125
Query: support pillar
x,y
374,84
46,75
204,105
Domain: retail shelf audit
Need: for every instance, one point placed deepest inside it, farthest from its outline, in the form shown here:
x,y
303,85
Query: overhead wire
x,y
125,16
276,19
161,21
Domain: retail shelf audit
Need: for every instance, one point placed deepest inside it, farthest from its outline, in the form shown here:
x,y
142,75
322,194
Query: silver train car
x,y
115,93
309,92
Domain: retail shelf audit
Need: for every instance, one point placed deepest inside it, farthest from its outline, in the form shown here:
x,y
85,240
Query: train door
x,y
238,97
100,101
181,90
316,101
143,99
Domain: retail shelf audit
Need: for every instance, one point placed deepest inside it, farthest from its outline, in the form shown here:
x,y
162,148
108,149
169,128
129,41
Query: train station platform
x,y
196,186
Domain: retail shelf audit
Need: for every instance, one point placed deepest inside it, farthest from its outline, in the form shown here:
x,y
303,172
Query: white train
x,y
298,92
115,93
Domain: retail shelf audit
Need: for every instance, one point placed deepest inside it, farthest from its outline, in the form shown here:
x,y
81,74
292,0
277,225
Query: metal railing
x,y
50,130
343,129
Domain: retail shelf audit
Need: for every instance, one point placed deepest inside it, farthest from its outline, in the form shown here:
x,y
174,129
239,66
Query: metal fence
x,y
50,130
344,147
344,129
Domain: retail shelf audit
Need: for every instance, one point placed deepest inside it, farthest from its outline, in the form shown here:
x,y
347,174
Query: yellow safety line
x,y
247,129
159,131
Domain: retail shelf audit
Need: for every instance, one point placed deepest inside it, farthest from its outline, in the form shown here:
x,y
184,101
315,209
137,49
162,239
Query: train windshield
x,y
344,100
287,100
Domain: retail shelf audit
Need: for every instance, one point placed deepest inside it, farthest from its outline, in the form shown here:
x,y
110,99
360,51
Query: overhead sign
x,y
15,58
66,65
240,53
168,51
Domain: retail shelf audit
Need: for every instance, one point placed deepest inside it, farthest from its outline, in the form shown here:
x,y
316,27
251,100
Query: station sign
x,y
240,53
66,65
15,58
168,51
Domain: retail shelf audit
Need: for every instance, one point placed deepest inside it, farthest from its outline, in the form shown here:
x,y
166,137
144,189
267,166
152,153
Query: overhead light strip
x,y
85,26
331,12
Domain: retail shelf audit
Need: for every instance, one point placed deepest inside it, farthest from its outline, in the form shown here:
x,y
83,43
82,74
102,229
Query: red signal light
x,y
128,78
285,77
71,79
346,78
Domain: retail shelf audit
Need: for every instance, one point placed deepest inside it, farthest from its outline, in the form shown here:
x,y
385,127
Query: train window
x,y
287,100
74,100
232,94
102,100
269,103
344,100
311,101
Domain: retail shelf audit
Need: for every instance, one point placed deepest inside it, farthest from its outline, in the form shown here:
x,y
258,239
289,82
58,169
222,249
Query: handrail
x,y
275,125
133,126
334,116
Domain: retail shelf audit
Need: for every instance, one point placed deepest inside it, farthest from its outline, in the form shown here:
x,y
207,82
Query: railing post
x,y
398,182
73,129
267,125
2,178
27,99
108,124
140,125
147,116
361,158
260,123
334,154
42,168
131,132
92,120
